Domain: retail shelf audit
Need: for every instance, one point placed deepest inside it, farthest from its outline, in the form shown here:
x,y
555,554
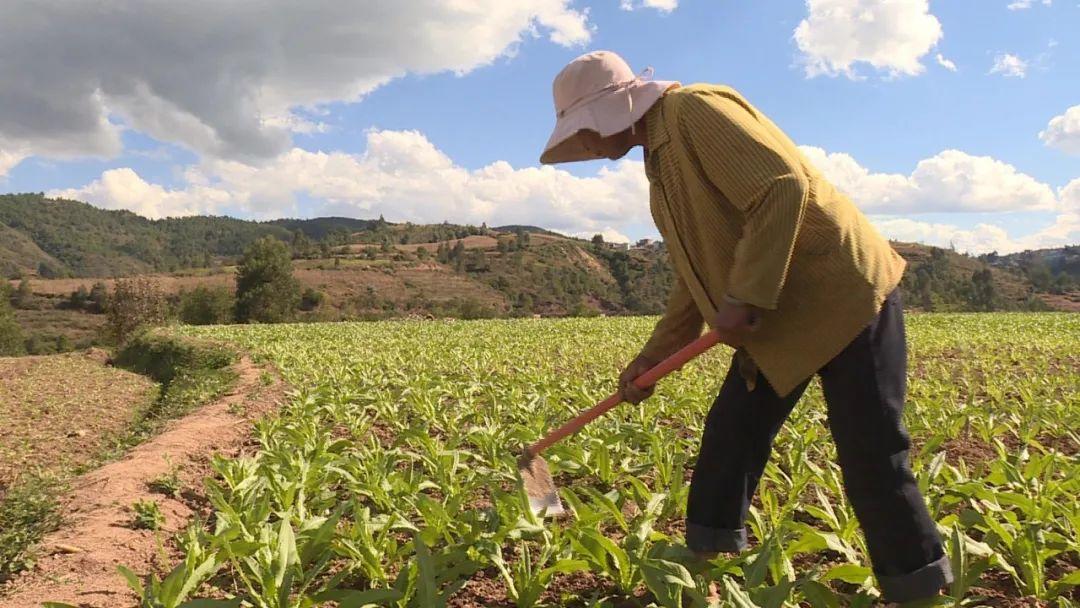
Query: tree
x,y
477,261
266,291
983,295
11,338
24,296
598,240
78,298
301,244
135,303
206,305
99,297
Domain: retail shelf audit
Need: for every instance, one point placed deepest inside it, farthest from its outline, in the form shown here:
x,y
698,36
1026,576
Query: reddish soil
x,y
971,451
475,241
79,566
1069,302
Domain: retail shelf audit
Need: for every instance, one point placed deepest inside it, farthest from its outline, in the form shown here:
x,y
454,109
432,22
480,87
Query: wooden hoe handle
x,y
649,378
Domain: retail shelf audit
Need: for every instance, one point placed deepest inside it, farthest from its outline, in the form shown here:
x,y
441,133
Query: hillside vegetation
x,y
60,253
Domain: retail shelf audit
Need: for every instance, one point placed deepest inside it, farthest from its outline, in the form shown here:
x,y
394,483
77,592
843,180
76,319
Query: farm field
x,y
389,479
59,415
60,411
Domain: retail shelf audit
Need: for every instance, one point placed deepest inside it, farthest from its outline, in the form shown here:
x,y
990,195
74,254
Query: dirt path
x,y
80,559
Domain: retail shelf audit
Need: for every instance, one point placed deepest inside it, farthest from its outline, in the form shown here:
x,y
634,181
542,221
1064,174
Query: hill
x,y
371,268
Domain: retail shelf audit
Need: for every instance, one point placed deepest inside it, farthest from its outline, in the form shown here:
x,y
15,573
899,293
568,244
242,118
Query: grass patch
x,y
191,373
28,511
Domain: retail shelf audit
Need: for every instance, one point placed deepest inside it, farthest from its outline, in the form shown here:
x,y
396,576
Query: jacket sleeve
x,y
761,178
680,324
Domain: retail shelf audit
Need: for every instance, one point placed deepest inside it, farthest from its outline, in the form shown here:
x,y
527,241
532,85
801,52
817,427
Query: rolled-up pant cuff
x,y
923,583
704,539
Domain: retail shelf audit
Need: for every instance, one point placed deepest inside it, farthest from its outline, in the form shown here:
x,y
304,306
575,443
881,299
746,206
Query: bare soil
x,y
79,566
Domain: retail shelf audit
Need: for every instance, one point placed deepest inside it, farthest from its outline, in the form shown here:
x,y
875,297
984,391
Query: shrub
x,y
207,306
311,299
134,303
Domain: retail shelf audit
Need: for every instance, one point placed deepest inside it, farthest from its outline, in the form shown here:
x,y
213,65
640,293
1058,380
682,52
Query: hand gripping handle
x,y
649,378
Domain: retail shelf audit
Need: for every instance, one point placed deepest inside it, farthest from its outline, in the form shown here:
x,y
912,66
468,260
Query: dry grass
x,y
168,283
60,411
80,327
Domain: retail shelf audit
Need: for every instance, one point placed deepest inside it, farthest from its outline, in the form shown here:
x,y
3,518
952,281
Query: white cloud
x,y
225,78
951,181
8,160
948,64
1063,132
955,182
610,235
124,189
1009,65
1020,5
892,36
983,238
400,175
664,6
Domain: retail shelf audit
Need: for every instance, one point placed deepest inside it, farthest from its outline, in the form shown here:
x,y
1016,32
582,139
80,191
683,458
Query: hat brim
x,y
607,115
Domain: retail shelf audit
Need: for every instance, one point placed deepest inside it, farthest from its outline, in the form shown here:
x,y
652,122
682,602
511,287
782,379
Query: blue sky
x,y
948,122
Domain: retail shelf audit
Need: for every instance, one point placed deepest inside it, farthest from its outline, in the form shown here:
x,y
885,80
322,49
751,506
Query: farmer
x,y
791,275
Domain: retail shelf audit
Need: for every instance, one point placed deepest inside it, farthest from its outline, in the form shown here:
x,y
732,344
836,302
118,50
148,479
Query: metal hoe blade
x,y
539,486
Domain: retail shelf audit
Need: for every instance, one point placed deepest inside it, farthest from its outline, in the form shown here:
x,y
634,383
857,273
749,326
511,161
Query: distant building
x,y
648,244
622,246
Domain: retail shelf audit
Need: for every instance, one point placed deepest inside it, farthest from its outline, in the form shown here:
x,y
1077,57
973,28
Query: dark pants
x,y
864,387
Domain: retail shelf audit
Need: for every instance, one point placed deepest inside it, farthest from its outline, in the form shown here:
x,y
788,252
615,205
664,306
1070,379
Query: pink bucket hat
x,y
597,91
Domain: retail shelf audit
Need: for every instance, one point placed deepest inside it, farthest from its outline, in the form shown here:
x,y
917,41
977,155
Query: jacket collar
x,y
655,126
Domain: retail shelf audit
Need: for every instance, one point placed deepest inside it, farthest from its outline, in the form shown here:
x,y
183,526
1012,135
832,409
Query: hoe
x,y
539,486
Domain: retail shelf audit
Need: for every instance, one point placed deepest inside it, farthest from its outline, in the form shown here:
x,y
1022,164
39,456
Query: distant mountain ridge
x,y
55,238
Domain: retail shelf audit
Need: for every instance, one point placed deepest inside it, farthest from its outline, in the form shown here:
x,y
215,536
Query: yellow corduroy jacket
x,y
745,215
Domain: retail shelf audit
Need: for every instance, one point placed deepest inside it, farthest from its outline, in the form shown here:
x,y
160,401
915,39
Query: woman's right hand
x,y
627,389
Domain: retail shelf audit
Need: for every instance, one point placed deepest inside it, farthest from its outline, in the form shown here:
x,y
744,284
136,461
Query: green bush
x,y
311,299
207,306
11,337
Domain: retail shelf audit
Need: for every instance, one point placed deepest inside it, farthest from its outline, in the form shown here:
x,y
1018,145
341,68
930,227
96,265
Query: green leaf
x,y
426,586
819,595
233,603
849,573
736,596
1061,586
132,580
285,559
202,572
316,542
774,596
